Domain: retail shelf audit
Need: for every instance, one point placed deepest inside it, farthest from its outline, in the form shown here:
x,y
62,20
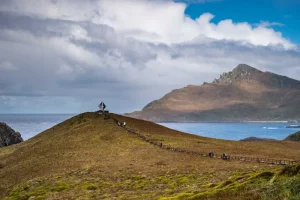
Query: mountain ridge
x,y
243,94
250,74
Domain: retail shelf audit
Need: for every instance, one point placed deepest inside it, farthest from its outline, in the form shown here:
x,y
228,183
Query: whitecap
x,y
272,128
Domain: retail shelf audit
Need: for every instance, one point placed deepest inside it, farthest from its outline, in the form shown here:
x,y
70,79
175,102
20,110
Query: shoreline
x,y
217,122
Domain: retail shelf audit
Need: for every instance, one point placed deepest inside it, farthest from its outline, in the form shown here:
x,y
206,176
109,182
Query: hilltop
x,y
90,157
243,94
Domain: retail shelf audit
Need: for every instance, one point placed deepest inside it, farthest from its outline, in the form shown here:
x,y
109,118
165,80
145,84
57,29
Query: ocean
x,y
30,125
235,131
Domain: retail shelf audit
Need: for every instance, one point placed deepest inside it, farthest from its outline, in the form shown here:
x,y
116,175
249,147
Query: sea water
x,y
235,131
32,124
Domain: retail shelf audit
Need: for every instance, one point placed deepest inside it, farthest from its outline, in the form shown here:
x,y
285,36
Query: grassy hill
x,y
90,157
294,137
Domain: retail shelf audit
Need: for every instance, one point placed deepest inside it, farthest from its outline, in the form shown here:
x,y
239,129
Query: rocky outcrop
x,y
8,136
243,94
256,139
241,72
248,74
293,137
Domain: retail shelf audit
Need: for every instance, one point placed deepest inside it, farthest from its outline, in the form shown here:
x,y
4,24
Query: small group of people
x,y
211,154
225,156
123,124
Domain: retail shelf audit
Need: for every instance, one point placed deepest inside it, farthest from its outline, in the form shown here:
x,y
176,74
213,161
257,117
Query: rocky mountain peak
x,y
243,68
248,74
241,72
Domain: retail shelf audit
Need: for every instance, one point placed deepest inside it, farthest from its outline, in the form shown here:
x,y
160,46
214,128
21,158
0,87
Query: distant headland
x,y
243,94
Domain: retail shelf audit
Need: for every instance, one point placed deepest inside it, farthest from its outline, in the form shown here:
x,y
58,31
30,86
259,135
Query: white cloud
x,y
152,21
197,1
124,52
268,24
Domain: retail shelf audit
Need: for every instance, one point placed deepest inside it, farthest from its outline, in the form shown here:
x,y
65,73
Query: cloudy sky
x,y
59,56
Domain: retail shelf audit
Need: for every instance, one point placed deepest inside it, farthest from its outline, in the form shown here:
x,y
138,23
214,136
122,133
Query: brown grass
x,y
267,149
93,149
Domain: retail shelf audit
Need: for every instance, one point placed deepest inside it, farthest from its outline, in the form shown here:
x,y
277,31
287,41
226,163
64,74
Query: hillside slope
x,y
89,156
243,94
293,137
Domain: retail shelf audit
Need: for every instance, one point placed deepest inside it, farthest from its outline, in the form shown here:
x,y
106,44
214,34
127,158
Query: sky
x,y
59,56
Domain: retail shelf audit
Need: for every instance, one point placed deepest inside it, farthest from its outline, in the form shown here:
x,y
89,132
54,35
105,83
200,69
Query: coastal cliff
x,y
8,136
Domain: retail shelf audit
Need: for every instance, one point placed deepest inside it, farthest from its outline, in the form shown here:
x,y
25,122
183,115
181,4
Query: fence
x,y
219,156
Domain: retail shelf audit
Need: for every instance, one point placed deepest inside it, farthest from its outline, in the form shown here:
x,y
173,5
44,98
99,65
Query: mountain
x,y
8,136
255,139
90,157
244,94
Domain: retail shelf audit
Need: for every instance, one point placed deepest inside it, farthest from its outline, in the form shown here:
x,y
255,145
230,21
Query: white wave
x,y
271,128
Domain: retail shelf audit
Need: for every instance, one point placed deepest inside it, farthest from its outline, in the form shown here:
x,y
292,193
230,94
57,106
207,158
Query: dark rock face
x,y
8,136
293,137
255,139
